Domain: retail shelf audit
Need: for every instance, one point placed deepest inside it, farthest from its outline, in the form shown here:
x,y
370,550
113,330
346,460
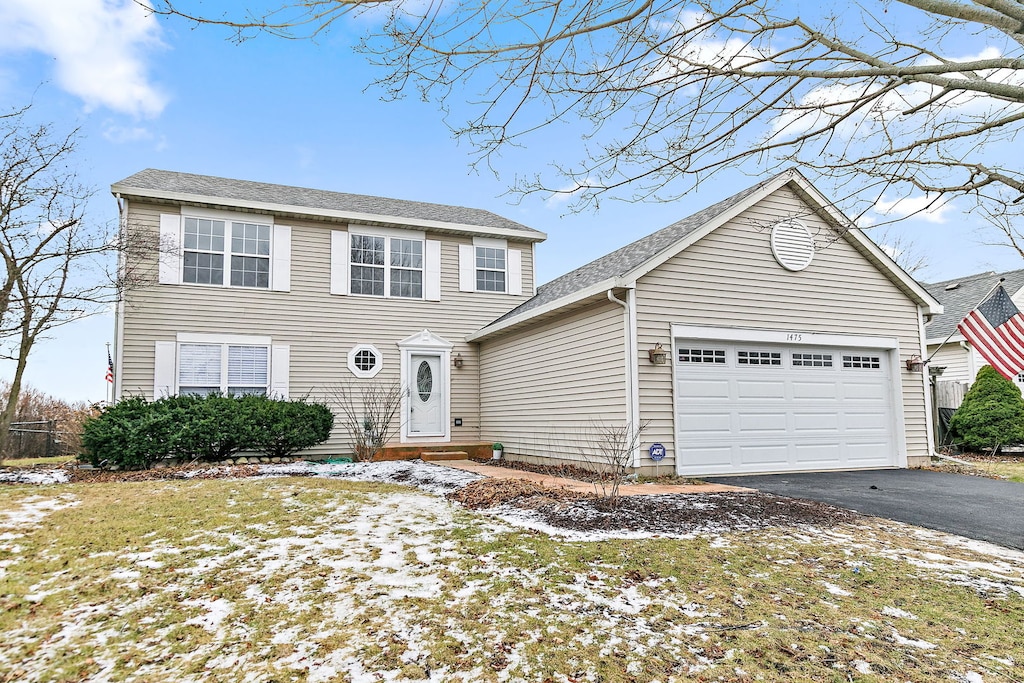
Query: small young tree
x,y
368,413
612,446
991,415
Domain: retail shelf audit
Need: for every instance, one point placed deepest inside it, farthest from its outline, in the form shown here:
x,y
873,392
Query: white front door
x,y
426,395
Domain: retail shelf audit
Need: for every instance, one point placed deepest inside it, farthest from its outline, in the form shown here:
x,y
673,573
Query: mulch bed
x,y
668,514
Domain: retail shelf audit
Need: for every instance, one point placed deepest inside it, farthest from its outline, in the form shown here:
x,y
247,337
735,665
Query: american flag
x,y
110,368
996,329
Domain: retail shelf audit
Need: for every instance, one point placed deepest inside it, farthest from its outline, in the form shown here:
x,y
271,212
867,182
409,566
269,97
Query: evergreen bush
x,y
281,428
992,414
135,433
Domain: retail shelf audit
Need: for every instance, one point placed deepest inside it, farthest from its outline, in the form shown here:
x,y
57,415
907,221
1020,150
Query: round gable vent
x,y
792,245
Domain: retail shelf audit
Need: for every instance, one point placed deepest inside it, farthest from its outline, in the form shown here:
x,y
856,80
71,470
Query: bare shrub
x,y
610,451
35,406
368,414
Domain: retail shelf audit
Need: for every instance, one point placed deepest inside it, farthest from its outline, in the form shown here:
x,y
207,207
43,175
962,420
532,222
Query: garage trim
x,y
795,337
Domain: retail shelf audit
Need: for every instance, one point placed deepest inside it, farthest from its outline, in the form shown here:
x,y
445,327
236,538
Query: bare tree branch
x,y
904,97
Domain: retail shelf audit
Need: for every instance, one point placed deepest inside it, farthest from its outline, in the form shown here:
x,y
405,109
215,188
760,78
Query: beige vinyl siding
x,y
731,279
544,388
319,327
956,359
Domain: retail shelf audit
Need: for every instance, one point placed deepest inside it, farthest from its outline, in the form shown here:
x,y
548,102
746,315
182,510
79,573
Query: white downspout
x,y
929,420
632,386
122,217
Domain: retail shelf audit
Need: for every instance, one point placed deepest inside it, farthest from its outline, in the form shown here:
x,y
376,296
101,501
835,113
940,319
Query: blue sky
x,y
155,93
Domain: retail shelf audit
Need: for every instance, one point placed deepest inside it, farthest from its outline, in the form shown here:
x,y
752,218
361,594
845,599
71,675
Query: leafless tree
x,y
52,261
917,99
368,413
611,449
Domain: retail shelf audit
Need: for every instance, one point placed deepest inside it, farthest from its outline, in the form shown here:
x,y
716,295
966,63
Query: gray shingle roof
x,y
228,189
631,256
962,299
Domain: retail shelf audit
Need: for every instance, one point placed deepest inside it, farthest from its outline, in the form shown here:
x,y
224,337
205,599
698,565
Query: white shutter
x,y
279,359
467,268
515,271
281,260
169,249
432,271
339,262
163,369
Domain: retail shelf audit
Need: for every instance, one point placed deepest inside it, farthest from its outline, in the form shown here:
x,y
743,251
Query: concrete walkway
x,y
497,472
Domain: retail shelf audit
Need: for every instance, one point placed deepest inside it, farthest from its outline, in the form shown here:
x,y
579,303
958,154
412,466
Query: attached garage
x,y
752,405
765,333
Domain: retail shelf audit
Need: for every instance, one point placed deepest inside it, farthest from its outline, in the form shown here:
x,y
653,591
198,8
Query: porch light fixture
x,y
457,360
915,364
658,354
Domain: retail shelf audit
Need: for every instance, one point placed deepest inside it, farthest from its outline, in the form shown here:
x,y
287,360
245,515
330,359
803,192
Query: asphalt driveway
x,y
975,507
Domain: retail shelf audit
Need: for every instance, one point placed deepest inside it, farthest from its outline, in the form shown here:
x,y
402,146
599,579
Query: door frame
x,y
426,343
796,337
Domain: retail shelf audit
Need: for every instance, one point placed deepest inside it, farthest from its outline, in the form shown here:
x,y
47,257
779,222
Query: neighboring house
x,y
959,361
787,330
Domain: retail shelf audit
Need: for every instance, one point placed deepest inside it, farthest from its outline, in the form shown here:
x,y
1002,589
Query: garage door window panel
x,y
760,358
709,356
862,362
812,360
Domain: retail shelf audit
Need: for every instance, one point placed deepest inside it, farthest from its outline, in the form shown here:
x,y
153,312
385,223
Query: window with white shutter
x,y
229,369
222,251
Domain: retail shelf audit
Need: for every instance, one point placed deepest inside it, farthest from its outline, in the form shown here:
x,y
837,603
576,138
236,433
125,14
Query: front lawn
x,y
301,579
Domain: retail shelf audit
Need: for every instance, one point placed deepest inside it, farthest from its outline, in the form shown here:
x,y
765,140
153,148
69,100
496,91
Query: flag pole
x,y
110,385
957,328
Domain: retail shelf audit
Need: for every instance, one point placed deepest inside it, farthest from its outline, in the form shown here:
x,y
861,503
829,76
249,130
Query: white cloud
x,y
564,194
122,134
924,207
98,46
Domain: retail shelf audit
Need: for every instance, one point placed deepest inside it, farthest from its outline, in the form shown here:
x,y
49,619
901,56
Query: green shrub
x,y
132,434
280,428
135,433
991,415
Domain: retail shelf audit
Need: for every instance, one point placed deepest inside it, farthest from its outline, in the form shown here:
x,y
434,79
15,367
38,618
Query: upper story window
x,y
223,368
208,247
490,265
248,259
490,269
385,265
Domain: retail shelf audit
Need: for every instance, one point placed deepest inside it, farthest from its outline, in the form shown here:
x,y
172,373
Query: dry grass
x,y
31,462
326,580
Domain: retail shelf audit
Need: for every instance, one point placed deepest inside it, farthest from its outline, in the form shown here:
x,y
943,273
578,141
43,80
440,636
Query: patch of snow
x,y
33,510
39,477
216,612
897,613
836,590
860,666
920,644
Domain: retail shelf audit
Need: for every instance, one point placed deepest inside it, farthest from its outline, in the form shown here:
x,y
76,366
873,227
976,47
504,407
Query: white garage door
x,y
751,407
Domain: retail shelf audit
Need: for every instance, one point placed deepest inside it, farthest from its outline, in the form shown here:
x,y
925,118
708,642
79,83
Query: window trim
x,y
365,374
389,235
223,341
229,218
477,269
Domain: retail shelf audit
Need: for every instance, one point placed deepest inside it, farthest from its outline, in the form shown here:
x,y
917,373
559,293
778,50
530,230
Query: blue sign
x,y
656,451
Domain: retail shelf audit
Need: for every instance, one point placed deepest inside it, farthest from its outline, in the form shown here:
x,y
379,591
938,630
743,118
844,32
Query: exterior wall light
x,y
658,354
457,360
915,364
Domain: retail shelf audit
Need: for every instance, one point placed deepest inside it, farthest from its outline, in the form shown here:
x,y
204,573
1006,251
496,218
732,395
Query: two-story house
x,y
764,333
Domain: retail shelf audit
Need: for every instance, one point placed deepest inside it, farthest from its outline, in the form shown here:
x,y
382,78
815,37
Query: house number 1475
x,y
794,336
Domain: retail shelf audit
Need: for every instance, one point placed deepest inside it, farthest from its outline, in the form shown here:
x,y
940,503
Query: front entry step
x,y
444,455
